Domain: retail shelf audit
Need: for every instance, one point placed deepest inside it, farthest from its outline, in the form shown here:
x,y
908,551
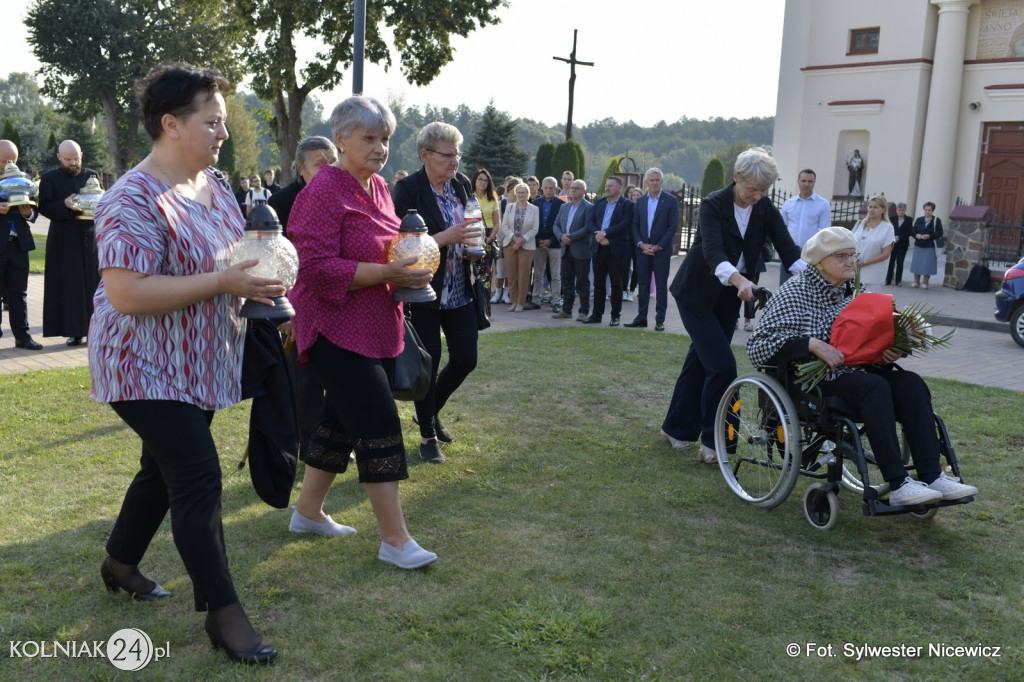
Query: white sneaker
x,y
497,297
505,298
748,326
627,296
410,557
951,488
915,285
914,492
924,286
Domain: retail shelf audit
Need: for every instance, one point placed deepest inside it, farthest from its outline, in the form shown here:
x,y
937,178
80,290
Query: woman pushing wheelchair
x,y
796,326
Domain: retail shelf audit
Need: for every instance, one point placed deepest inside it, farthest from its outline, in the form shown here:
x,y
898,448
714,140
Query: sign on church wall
x,y
1001,31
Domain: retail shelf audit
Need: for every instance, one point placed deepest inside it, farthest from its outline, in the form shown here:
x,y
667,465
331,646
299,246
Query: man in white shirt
x,y
256,196
805,214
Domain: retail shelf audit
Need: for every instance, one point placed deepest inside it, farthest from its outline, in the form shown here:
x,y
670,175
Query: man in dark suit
x,y
611,222
573,233
547,254
903,225
715,276
15,243
655,221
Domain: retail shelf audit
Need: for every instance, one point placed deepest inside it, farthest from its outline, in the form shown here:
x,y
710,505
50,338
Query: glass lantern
x,y
87,198
264,241
17,188
413,240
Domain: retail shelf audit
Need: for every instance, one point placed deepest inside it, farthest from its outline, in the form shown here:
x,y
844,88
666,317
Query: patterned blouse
x,y
335,225
192,355
804,307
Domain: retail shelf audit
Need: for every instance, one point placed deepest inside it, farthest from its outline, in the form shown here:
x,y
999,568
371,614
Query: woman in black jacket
x,y
927,229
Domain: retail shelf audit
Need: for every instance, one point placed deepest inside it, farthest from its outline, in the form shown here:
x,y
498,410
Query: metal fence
x,y
1004,238
845,212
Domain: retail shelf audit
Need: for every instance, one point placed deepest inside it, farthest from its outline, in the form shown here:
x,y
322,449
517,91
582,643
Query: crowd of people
x,y
151,285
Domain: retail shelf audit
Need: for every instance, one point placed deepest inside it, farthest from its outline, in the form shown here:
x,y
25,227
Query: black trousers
x,y
179,471
359,414
880,394
575,282
899,253
461,335
658,264
607,264
14,286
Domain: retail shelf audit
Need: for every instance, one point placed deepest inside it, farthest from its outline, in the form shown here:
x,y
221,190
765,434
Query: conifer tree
x,y
496,146
542,165
566,158
613,168
714,176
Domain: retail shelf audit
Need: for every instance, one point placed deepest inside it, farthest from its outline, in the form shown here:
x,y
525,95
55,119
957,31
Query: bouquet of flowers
x,y
871,325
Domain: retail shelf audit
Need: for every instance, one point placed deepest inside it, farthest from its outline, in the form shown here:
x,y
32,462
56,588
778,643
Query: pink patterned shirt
x,y
192,355
335,225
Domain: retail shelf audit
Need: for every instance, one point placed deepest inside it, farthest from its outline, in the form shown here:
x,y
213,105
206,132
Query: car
x,y
1010,302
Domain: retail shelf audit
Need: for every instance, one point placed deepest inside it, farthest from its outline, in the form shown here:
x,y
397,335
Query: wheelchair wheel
x,y
821,506
757,440
925,515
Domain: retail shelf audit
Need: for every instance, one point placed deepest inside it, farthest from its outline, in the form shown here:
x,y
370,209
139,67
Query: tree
x,y
714,176
93,51
244,131
422,37
729,153
566,158
495,146
612,169
19,97
545,157
581,162
10,132
94,153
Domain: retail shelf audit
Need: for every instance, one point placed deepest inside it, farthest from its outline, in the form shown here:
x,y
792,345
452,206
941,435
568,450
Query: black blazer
x,y
547,227
283,199
25,241
719,240
904,231
619,231
414,191
921,227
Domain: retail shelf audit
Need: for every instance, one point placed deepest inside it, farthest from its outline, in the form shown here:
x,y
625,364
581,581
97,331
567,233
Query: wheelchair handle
x,y
763,295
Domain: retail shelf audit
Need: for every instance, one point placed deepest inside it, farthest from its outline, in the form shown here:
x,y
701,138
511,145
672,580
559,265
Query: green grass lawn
x,y
574,544
37,258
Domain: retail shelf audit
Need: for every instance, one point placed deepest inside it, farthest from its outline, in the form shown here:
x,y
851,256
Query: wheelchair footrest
x,y
883,508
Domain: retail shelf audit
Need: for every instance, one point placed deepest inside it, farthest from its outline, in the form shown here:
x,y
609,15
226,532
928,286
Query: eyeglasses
x,y
450,157
848,257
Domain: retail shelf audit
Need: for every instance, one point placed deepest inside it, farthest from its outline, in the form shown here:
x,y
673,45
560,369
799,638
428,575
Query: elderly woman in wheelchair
x,y
796,325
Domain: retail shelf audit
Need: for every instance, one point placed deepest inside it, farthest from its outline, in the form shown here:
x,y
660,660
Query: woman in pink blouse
x,y
165,343
349,325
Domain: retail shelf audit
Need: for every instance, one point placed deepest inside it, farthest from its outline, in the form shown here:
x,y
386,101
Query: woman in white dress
x,y
875,237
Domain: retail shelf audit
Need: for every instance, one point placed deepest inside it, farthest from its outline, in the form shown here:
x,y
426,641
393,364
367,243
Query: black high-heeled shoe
x,y
261,654
113,585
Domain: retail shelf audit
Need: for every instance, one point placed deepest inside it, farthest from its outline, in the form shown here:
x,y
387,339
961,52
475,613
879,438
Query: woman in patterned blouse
x,y
797,323
349,325
165,342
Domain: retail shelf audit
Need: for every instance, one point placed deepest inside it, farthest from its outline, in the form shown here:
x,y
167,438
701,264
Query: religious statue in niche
x,y
855,165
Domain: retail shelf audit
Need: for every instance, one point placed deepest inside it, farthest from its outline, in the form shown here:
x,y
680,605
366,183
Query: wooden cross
x,y
572,62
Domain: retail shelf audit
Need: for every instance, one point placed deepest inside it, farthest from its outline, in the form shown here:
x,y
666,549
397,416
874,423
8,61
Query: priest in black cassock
x,y
72,269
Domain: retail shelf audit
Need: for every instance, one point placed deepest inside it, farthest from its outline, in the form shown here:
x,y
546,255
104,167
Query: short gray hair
x,y
654,171
360,112
311,144
757,165
901,205
549,179
435,132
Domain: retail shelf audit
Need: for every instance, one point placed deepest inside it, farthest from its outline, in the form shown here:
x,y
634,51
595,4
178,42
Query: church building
x,y
928,93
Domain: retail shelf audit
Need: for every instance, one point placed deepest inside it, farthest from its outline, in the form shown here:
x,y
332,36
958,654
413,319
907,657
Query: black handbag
x,y
410,379
483,305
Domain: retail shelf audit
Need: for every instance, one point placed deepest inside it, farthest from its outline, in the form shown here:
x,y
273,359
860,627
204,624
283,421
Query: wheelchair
x,y
769,432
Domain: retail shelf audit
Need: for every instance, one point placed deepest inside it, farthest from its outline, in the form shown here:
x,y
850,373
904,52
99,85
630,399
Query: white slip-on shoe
x,y
327,528
410,557
676,443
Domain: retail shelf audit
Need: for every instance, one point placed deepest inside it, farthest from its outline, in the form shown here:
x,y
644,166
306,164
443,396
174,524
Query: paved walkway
x,y
982,351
